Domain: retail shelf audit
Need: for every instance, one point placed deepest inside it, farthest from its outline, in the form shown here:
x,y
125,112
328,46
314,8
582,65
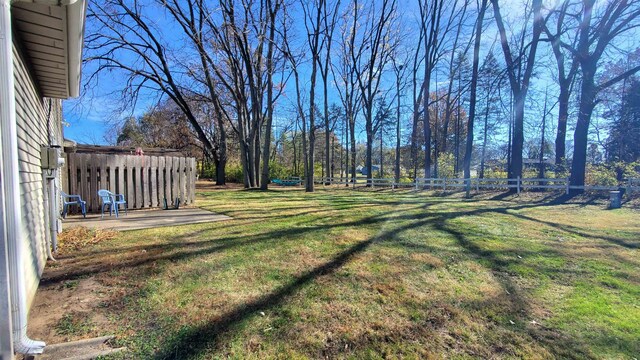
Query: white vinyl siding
x,y
32,112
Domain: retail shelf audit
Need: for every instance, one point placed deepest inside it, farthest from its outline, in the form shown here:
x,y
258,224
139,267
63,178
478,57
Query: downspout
x,y
11,187
50,214
53,213
6,327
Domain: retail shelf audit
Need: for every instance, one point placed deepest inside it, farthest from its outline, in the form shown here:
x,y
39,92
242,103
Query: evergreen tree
x,y
622,143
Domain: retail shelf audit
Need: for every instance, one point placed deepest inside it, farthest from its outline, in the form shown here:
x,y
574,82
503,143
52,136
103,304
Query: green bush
x,y
495,173
279,171
209,171
446,166
234,173
600,175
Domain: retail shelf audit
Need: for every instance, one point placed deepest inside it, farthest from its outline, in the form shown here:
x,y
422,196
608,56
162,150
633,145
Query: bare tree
x,y
370,57
272,7
599,28
125,40
438,19
313,15
329,20
455,64
240,36
520,67
400,71
474,88
190,15
567,70
346,82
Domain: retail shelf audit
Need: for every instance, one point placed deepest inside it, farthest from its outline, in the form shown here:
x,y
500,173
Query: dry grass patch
x,y
79,237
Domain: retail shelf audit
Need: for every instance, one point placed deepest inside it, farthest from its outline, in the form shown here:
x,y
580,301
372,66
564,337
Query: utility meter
x,y
51,157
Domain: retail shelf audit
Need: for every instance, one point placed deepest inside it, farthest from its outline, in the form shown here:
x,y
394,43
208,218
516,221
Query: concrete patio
x,y
144,219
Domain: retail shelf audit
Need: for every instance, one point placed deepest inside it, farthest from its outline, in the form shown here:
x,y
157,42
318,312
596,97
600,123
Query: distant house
x,y
40,59
365,170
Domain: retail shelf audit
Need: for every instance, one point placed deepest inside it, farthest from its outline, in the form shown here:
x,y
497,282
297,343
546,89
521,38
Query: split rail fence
x,y
145,181
452,184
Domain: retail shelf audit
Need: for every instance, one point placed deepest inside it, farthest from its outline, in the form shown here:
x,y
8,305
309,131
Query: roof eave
x,y
75,24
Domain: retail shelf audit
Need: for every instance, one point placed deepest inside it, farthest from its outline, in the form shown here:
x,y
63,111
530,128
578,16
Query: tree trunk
x,y
352,130
381,171
414,141
426,126
580,137
544,124
264,182
484,140
563,115
370,140
222,156
517,142
327,135
474,91
397,167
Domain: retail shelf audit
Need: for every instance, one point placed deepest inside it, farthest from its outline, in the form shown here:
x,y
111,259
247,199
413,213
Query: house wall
x,y
38,123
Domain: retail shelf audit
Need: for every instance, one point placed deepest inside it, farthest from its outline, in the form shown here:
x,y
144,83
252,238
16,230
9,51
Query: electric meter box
x,y
51,157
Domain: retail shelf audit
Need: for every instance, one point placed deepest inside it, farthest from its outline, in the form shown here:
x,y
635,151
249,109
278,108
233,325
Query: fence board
x,y
154,181
72,184
168,174
175,178
183,180
84,184
192,177
130,195
146,172
93,188
111,164
120,187
161,188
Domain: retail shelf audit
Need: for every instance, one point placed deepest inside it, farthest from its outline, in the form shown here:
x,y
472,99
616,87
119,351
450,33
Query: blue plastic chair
x,y
72,200
113,201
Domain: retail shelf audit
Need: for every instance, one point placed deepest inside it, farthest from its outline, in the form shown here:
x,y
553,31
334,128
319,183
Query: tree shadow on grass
x,y
575,230
190,342
193,341
519,305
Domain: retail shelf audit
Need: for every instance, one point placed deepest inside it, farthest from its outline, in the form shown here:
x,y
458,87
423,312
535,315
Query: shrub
x,y
600,175
279,171
234,173
209,171
446,166
495,173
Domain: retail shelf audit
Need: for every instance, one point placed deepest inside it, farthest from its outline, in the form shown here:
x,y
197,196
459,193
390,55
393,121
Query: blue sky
x,y
90,117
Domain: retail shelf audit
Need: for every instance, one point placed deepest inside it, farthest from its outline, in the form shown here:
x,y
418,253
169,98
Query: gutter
x,y
76,14
11,188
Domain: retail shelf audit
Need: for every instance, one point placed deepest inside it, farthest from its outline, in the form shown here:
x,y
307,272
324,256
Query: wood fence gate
x,y
145,181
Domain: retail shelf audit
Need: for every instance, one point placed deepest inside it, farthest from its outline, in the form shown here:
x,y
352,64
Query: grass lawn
x,y
361,274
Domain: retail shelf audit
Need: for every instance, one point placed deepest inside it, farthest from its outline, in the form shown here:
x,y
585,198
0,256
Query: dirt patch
x,y
67,311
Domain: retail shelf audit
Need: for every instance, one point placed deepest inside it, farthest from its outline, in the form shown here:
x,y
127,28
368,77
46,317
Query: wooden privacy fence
x,y
145,181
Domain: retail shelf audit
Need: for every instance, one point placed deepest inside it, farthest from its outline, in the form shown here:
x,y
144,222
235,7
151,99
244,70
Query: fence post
x,y
518,184
567,189
629,185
